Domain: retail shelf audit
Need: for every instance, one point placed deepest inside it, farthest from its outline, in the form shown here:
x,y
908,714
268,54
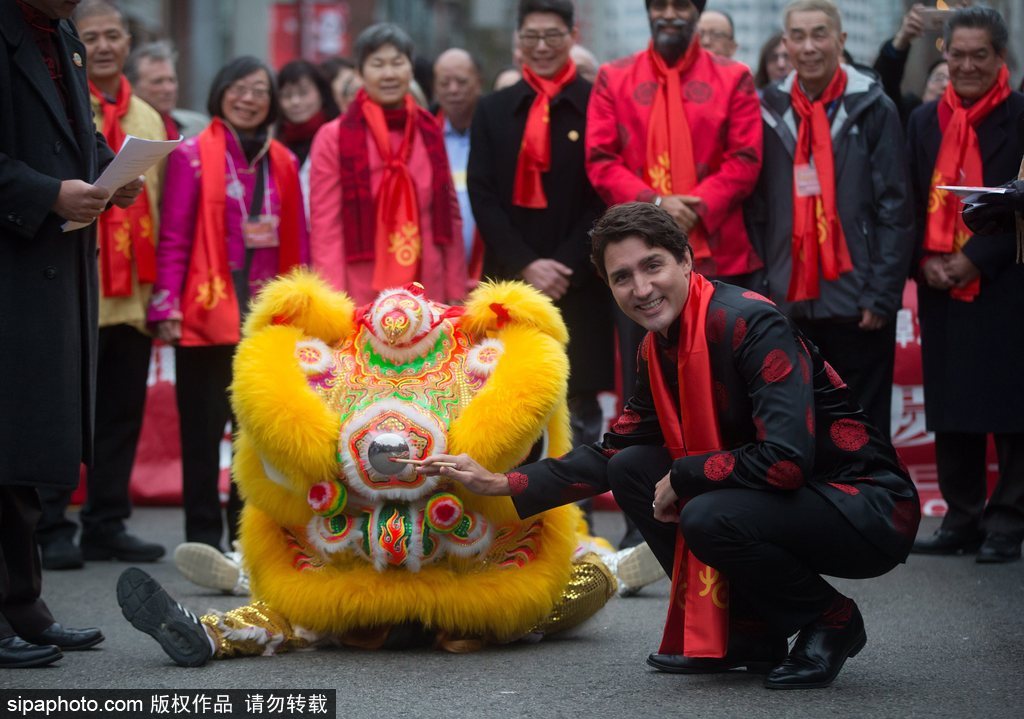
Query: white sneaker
x,y
206,566
635,568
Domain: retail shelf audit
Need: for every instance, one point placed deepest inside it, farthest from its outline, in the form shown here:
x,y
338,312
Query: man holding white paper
x,y
127,258
50,154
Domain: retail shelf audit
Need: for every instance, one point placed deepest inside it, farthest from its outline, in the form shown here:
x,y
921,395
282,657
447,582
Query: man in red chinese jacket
x,y
771,469
679,127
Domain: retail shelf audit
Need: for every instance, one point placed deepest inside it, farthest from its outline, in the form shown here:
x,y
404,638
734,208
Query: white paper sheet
x,y
964,191
135,157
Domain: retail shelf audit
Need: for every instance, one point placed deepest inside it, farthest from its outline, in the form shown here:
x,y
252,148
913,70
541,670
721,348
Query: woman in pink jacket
x,y
232,220
383,208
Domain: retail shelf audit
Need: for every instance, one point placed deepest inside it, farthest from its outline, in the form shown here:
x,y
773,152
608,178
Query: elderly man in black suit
x,y
969,292
49,153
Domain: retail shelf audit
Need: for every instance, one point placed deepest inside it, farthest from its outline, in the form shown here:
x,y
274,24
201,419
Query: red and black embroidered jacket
x,y
786,419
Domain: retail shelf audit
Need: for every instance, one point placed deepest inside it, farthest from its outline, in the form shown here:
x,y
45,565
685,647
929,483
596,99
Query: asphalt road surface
x,y
945,639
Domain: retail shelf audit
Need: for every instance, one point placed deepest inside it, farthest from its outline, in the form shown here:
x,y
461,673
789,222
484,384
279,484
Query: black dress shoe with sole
x,y
15,652
755,654
949,541
819,653
999,547
150,609
122,547
61,554
69,640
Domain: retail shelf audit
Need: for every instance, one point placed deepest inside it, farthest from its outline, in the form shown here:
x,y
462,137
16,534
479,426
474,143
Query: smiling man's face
x,y
649,284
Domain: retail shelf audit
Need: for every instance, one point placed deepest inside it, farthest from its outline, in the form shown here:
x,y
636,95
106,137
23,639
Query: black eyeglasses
x,y
552,38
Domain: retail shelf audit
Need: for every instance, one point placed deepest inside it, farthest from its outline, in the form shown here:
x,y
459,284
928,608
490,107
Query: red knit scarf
x,y
535,148
210,307
817,230
361,210
128,233
697,624
959,163
670,168
295,132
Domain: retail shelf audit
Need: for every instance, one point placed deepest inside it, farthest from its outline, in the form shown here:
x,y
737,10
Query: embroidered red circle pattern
x,y
719,466
739,332
776,366
716,326
751,295
517,482
644,93
834,377
760,431
627,422
846,488
848,434
785,475
697,91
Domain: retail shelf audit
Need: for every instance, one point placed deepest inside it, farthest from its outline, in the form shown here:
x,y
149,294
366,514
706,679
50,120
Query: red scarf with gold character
x,y
817,231
535,149
698,615
128,233
959,163
210,307
670,167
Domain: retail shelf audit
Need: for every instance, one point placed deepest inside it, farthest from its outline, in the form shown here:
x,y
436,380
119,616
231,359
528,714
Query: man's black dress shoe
x,y
150,609
67,639
757,655
121,546
819,653
999,547
949,541
61,553
16,652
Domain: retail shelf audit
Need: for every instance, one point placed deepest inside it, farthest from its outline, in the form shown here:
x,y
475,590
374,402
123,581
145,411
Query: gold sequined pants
x,y
257,629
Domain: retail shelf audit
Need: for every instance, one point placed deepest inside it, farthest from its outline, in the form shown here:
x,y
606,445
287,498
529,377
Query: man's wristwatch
x,y
657,201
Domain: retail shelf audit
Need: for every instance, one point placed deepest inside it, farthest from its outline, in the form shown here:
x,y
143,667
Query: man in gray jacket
x,y
831,216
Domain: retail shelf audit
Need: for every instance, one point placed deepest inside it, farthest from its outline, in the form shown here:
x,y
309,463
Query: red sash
x,y
670,168
209,305
124,233
697,624
959,163
535,149
817,230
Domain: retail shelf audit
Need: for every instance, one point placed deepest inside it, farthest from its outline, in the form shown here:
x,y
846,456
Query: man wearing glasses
x,y
679,127
533,203
717,33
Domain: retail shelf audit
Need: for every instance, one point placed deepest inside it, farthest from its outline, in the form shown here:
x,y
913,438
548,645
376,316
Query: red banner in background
x,y
311,30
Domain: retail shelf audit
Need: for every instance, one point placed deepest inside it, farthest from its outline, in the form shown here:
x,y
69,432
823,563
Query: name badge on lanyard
x,y
260,232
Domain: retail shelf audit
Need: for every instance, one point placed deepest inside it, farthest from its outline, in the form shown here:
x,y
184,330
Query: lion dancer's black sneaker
x,y
150,609
821,648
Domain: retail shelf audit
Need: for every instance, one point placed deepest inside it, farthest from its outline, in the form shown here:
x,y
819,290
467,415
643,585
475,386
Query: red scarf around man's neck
x,y
535,148
697,624
124,234
209,305
959,163
370,222
670,168
817,229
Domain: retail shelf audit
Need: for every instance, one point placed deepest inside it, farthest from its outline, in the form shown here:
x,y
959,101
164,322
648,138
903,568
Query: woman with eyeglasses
x,y
232,219
383,207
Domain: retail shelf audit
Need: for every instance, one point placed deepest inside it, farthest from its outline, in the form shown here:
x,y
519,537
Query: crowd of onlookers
x,y
810,179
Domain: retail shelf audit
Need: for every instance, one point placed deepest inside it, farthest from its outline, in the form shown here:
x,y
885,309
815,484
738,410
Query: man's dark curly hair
x,y
636,219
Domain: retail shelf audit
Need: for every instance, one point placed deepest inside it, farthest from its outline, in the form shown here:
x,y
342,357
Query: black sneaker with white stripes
x,y
150,609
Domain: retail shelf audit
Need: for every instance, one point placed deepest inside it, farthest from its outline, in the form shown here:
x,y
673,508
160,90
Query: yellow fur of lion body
x,y
286,422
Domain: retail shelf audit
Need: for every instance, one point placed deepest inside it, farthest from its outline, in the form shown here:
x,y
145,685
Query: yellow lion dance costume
x,y
344,541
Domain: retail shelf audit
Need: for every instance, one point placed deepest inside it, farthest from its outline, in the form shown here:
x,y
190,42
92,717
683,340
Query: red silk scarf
x,y
361,210
697,624
959,163
128,233
535,149
210,307
817,231
670,168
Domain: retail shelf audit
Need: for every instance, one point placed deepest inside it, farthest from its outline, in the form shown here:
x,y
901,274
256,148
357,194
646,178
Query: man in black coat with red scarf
x,y
739,431
50,152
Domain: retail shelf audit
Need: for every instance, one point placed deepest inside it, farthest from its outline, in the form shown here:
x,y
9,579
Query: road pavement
x,y
945,639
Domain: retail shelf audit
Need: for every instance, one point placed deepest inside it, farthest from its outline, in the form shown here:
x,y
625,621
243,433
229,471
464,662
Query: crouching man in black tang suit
x,y
743,460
